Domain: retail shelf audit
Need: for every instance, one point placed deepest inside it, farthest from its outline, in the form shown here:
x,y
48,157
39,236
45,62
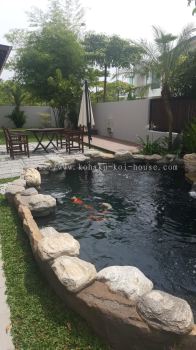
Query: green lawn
x,y
39,319
3,181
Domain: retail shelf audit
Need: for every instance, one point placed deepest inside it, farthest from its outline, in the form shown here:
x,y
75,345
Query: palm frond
x,y
149,50
184,39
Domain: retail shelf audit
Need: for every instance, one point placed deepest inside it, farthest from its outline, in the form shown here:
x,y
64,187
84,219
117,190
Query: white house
x,y
150,81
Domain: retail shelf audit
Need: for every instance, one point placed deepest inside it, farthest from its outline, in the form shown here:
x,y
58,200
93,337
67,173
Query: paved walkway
x,y
11,168
112,145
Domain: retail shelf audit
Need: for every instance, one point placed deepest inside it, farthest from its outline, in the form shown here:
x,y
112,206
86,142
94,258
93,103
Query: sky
x,y
131,19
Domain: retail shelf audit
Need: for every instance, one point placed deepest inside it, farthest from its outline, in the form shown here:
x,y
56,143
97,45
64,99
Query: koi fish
x,y
106,206
77,200
96,218
89,207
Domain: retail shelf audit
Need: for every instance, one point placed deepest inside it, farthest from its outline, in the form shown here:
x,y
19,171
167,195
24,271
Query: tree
x,y
65,95
46,49
52,48
68,12
7,98
16,94
184,84
116,91
105,52
162,57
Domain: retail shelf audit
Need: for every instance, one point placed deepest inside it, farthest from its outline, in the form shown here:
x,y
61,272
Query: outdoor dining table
x,y
50,134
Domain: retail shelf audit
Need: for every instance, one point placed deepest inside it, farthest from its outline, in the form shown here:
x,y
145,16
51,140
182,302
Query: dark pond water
x,y
152,224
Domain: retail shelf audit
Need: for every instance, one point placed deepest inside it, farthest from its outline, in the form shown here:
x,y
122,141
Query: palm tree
x,y
161,58
189,3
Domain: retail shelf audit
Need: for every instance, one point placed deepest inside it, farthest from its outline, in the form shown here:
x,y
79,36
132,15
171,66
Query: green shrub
x,y
189,137
17,117
150,146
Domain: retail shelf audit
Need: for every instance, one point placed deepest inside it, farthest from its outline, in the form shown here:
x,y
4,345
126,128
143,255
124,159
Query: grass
x,y
4,181
39,319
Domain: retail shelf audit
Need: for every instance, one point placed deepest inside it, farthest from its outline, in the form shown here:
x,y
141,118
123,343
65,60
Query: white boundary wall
x,y
128,120
33,119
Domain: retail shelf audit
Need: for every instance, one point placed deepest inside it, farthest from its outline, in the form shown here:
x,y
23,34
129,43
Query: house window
x,y
155,84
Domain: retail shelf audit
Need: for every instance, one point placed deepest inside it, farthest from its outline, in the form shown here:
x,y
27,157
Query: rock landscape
x,y
127,280
166,312
55,245
74,273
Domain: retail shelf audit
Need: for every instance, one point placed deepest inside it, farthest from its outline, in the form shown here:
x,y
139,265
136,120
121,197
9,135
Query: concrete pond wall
x,y
119,302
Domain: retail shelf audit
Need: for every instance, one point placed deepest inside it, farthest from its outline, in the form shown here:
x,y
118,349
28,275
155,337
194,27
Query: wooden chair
x,y
61,138
72,139
6,139
16,142
75,141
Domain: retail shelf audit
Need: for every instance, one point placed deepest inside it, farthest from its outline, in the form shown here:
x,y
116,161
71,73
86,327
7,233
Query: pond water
x,y
152,224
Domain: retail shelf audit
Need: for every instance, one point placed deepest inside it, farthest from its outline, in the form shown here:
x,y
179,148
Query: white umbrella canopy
x,y
85,108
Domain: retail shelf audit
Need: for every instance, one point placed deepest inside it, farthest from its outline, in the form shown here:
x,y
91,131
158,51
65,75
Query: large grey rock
x,y
81,158
19,182
147,158
153,157
41,205
170,157
92,153
190,162
48,231
123,156
31,191
55,245
139,157
107,156
32,177
166,312
12,190
193,191
127,280
74,273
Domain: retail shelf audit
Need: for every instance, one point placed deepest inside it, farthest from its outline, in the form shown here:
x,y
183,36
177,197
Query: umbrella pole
x,y
88,114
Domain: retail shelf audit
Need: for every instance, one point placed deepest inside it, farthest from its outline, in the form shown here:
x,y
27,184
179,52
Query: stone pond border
x,y
127,313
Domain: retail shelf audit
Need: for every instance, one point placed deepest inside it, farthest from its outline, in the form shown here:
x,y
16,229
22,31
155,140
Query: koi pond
x,y
148,221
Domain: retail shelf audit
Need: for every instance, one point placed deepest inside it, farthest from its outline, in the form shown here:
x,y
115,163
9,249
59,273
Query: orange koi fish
x,y
77,200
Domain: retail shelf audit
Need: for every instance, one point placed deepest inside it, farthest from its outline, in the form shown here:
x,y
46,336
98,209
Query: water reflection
x,y
152,224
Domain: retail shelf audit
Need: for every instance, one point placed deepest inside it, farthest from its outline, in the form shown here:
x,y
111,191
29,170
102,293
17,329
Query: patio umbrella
x,y
86,118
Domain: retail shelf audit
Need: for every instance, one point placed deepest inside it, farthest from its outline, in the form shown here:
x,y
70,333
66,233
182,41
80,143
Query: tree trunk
x,y
170,121
105,83
166,96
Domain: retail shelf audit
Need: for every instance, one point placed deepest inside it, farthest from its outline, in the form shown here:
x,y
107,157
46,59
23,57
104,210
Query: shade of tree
x,y
109,51
162,57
